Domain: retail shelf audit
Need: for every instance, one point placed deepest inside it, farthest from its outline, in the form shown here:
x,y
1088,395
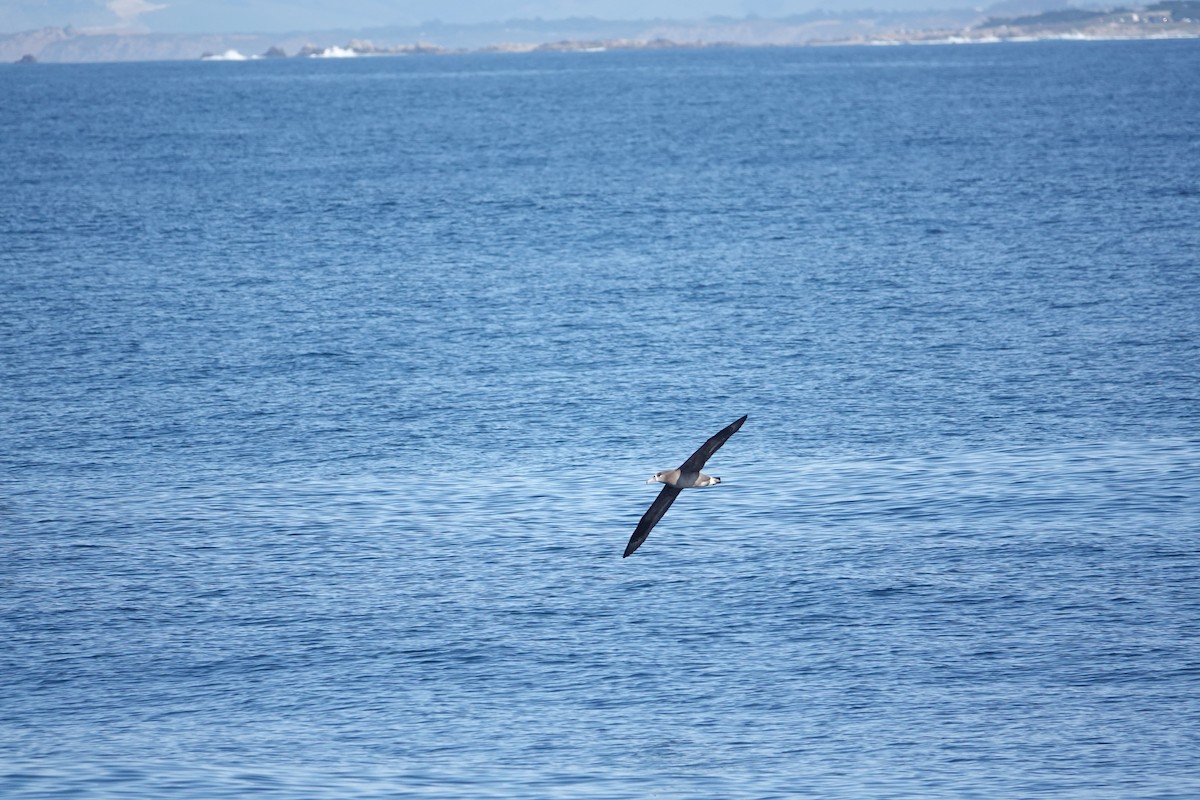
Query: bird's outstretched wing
x,y
697,459
653,514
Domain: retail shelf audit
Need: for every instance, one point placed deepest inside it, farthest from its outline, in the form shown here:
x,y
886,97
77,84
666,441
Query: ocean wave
x,y
228,55
335,52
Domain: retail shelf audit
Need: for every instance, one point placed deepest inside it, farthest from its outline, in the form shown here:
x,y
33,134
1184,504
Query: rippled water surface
x,y
327,391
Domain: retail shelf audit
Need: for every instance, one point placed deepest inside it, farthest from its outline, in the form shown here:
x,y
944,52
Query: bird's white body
x,y
683,480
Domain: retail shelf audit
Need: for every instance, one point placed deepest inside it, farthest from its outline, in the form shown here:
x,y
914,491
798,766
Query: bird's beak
x,y
651,479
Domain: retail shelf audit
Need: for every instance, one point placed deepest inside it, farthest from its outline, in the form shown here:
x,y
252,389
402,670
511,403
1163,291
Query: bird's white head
x,y
658,477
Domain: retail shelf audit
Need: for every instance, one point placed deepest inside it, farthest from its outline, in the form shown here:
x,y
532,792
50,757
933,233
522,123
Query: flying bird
x,y
688,475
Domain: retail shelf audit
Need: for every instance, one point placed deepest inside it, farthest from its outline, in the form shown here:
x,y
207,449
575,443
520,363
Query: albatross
x,y
686,476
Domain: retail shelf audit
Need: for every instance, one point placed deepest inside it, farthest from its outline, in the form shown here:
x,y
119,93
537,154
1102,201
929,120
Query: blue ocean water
x,y
328,391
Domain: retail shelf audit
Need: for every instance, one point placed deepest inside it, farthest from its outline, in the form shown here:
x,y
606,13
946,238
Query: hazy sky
x,y
192,16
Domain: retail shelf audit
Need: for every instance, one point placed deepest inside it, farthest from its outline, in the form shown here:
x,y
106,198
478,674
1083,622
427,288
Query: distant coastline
x,y
1170,20
1164,20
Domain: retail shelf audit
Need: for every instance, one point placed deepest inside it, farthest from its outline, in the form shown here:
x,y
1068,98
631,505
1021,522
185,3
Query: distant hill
x,y
1188,9
66,44
1157,20
1048,19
